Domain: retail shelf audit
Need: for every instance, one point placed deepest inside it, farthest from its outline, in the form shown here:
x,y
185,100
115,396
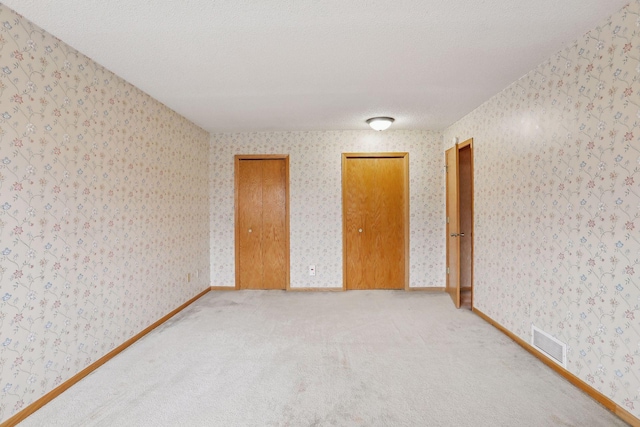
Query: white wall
x,y
316,200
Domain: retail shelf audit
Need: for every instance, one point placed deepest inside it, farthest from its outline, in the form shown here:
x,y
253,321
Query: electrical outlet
x,y
312,270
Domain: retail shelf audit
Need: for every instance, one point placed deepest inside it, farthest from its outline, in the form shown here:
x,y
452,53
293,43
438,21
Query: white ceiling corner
x,y
241,65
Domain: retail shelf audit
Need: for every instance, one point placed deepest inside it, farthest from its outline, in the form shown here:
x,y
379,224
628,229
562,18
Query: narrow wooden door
x,y
249,225
453,225
375,220
262,244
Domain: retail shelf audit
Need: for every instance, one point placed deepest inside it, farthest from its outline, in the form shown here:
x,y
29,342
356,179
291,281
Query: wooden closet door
x,y
374,192
388,221
262,245
358,251
274,246
250,224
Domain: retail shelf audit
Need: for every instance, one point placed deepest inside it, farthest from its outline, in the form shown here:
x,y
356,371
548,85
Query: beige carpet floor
x,y
360,358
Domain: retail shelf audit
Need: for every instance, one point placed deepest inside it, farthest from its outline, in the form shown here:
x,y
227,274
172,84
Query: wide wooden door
x,y
375,220
453,225
262,228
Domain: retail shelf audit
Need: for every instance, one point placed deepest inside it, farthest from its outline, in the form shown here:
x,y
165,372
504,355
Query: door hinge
x,y
446,168
447,270
447,220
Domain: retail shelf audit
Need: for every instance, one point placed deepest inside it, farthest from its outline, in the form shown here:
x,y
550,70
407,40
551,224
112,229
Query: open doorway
x,y
459,227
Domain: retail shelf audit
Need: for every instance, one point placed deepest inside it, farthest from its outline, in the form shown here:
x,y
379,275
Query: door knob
x,y
359,230
249,230
461,234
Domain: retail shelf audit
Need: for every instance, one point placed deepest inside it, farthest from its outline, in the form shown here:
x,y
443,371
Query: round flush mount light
x,y
380,123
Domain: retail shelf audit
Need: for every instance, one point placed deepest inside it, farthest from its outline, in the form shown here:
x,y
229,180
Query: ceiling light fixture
x,y
380,123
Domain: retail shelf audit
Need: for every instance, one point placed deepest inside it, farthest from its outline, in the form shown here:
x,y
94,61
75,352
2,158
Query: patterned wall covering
x,y
316,200
557,204
103,211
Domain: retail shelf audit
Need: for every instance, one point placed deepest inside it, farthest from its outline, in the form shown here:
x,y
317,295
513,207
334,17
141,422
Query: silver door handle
x,y
461,234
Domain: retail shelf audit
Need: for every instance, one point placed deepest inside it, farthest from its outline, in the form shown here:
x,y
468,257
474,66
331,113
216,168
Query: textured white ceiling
x,y
255,65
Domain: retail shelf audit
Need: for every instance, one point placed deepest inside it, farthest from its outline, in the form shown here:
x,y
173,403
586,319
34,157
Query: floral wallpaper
x,y
557,204
316,200
103,212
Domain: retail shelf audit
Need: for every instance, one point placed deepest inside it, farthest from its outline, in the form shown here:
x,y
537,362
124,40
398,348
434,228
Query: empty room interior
x,y
320,213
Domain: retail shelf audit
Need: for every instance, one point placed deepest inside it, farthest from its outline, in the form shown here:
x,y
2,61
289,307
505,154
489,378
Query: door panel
x,y
250,224
356,204
453,226
273,220
389,245
374,222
